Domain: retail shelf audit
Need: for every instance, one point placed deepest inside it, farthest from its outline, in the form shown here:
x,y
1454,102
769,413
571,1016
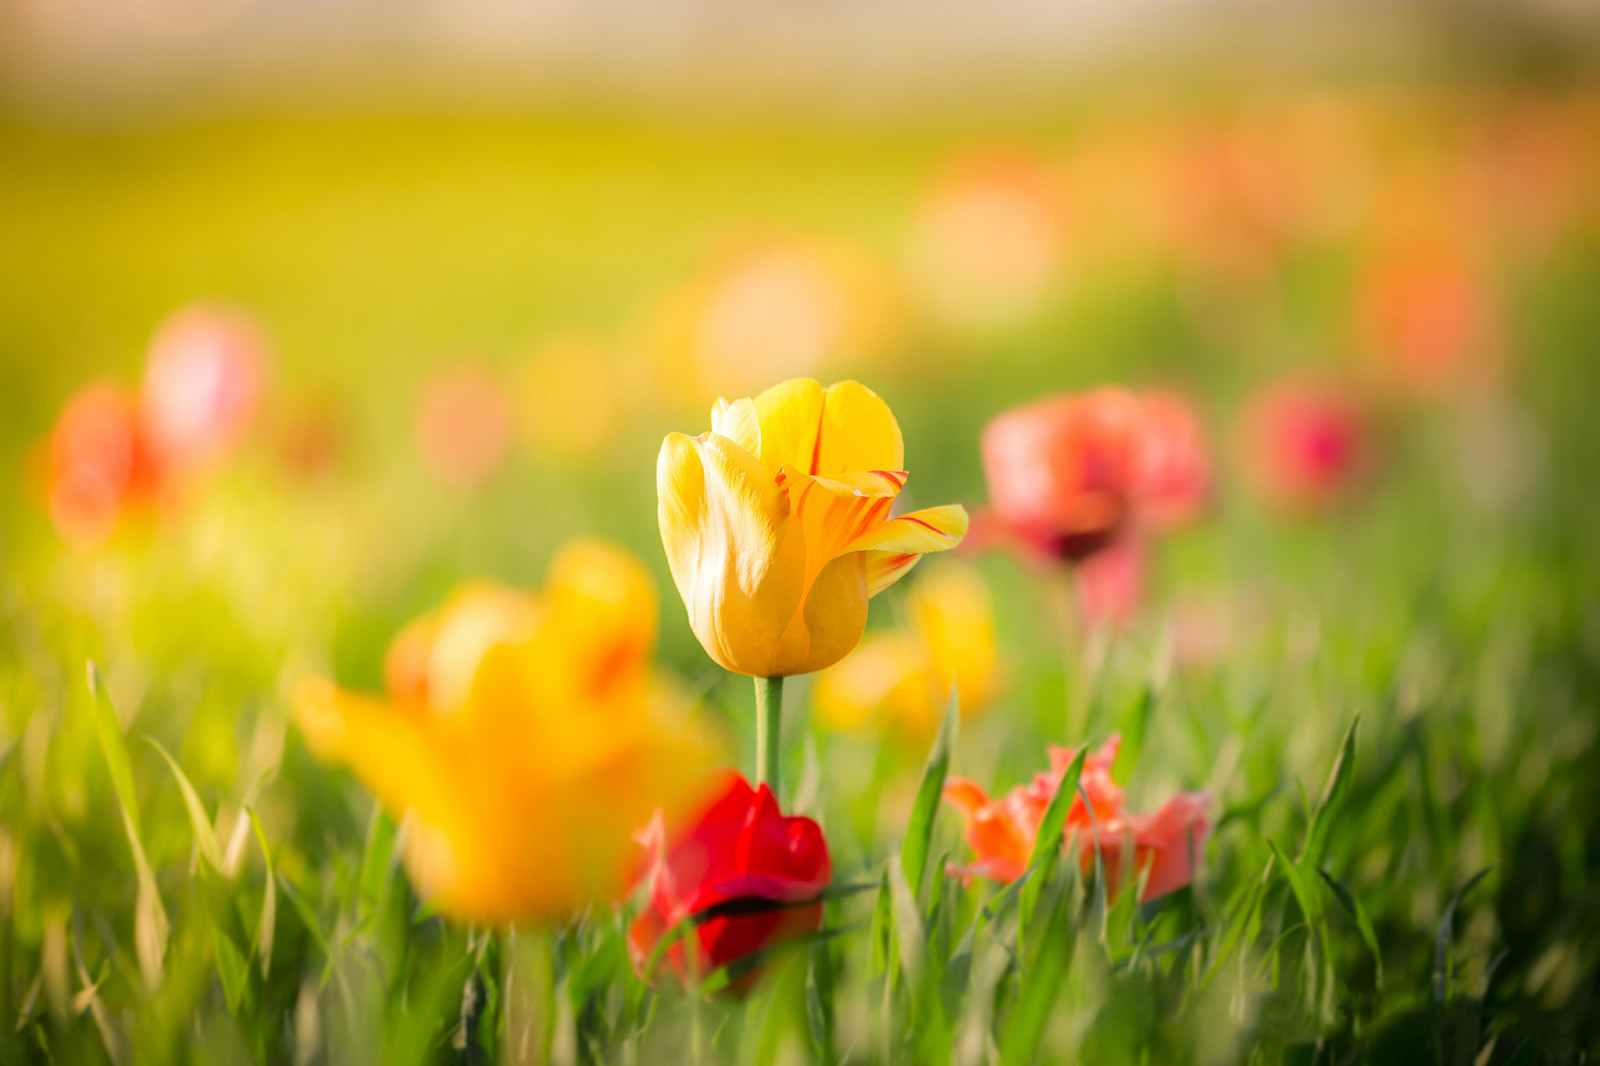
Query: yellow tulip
x,y
525,734
903,677
777,528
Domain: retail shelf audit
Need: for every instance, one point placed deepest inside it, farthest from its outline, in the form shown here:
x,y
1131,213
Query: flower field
x,y
500,588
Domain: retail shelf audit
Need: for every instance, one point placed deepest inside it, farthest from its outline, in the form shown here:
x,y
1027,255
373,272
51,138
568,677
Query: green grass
x,y
181,882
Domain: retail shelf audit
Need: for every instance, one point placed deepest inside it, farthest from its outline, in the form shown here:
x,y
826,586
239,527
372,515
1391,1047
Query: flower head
x,y
739,847
904,676
1069,474
202,382
1002,831
101,466
777,528
1304,443
526,733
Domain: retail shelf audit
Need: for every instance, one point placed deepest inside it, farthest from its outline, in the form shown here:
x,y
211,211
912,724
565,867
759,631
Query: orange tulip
x,y
777,529
526,734
1164,846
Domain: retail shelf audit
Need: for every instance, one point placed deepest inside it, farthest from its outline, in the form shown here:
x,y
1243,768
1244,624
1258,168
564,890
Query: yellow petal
x,y
830,621
790,416
858,432
736,557
603,609
475,619
738,422
883,676
885,568
952,615
932,529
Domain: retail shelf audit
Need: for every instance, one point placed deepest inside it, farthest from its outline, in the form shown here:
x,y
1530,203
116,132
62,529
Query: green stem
x,y
769,729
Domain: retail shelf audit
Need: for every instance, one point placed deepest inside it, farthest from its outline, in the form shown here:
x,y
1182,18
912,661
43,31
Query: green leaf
x,y
907,922
1320,824
919,833
265,928
204,836
151,929
108,727
1039,991
1363,923
1444,942
1047,843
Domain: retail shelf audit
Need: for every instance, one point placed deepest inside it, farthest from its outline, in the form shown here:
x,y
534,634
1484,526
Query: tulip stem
x,y
769,730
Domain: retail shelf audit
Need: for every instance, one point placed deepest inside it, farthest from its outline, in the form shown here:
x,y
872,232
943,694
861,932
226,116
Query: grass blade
x,y
1047,843
204,836
919,833
1320,824
1363,923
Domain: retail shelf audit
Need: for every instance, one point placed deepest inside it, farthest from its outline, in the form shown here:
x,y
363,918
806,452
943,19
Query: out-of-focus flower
x,y
570,399
101,467
903,677
1428,319
988,242
202,382
775,309
526,733
1303,443
777,529
739,848
463,426
1002,831
1068,474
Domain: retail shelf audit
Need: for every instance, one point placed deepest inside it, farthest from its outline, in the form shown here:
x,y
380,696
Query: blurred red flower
x,y
740,848
1002,831
202,381
101,467
1303,442
1068,474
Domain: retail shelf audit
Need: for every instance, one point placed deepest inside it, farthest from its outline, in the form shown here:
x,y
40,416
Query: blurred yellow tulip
x,y
902,678
526,734
777,529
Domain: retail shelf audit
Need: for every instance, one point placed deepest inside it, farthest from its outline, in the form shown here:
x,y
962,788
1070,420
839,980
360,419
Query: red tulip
x,y
1428,315
1002,831
1304,443
1069,474
740,848
101,466
202,380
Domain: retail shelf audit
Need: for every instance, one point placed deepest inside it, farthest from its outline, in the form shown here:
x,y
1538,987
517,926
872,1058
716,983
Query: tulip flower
x,y
903,677
1068,474
1428,317
778,531
525,733
1304,443
739,848
202,381
101,467
1164,846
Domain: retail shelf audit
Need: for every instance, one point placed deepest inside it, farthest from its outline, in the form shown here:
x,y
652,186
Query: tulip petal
x,y
603,609
738,422
858,432
790,416
932,529
831,619
737,559
844,428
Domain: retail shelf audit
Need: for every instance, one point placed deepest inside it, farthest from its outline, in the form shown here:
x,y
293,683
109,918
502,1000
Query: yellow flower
x,y
526,734
777,529
902,677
